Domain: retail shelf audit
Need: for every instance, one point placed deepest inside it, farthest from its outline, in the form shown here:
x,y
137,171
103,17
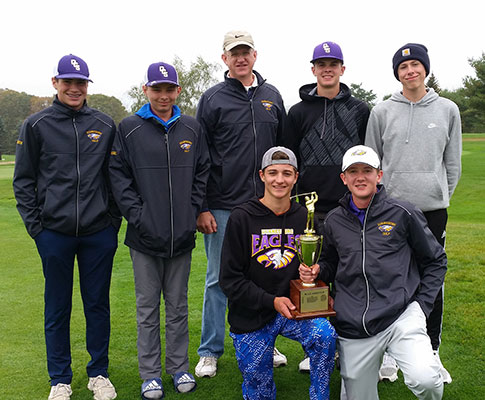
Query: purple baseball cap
x,y
328,50
72,67
161,72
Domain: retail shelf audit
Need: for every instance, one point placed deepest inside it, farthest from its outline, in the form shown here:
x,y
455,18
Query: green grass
x,y
23,372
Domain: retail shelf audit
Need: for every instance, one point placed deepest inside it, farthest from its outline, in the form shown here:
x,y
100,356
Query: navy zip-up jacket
x,y
381,266
239,129
159,173
61,171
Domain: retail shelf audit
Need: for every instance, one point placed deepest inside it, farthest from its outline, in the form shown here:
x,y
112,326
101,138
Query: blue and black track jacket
x,y
159,172
380,267
61,171
320,131
239,129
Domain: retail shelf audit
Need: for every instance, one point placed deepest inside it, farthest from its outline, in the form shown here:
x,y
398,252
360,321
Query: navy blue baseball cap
x,y
161,72
72,67
327,50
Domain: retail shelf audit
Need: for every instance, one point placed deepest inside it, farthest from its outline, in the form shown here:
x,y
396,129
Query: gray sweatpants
x,y
154,276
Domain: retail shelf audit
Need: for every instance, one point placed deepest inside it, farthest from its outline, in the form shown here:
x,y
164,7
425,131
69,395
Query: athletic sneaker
x,y
61,391
304,365
207,366
445,375
102,388
388,369
279,359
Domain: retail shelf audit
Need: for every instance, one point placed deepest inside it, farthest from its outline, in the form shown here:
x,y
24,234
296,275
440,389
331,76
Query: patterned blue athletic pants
x,y
254,354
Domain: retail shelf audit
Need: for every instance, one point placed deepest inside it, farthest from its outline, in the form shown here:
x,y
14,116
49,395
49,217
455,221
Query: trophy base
x,y
310,302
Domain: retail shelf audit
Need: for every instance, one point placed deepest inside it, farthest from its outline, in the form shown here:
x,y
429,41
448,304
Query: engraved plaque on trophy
x,y
310,299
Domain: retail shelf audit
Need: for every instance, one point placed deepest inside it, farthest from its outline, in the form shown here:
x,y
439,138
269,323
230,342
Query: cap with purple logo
x,y
72,67
327,50
161,72
360,154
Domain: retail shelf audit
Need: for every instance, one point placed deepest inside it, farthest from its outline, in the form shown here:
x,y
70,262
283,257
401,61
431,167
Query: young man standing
x,y
417,134
159,168
387,268
63,196
322,126
241,117
259,258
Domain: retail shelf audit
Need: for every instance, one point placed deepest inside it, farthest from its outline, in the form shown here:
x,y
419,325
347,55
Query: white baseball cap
x,y
360,154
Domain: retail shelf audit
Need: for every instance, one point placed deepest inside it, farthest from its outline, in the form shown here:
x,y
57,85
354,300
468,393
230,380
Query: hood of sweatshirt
x,y
309,93
428,98
255,208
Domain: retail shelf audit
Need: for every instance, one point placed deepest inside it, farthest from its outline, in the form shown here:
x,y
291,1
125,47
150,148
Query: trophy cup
x,y
310,299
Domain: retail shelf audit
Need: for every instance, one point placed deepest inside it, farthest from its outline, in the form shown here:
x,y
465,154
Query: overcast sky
x,y
119,39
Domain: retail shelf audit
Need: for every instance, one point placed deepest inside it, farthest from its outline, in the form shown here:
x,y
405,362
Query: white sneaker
x,y
445,375
388,369
61,391
207,366
102,388
279,359
304,365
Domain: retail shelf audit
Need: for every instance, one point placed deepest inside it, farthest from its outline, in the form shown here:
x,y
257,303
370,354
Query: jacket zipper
x,y
78,170
169,191
255,167
362,238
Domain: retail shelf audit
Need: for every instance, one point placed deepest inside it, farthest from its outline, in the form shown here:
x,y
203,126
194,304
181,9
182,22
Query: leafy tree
x,y
138,98
387,96
432,82
194,81
14,108
39,103
474,89
109,105
367,96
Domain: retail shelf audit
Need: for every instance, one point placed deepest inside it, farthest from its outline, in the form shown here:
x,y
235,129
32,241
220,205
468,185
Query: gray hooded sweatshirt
x,y
420,148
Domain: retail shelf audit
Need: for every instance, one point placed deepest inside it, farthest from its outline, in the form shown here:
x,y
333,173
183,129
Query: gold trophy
x,y
310,299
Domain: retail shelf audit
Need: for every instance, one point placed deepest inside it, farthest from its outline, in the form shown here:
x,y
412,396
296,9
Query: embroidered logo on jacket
x,y
386,227
267,104
94,135
185,145
272,251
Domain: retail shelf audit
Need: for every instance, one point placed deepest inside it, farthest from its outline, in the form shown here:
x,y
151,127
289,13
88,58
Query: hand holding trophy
x,y
310,298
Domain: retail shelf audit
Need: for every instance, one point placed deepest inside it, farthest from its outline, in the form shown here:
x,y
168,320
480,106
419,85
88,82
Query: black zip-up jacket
x,y
61,171
320,131
258,262
159,179
239,129
381,267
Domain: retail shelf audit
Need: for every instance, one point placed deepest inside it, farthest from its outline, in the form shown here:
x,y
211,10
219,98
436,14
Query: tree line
x,y
200,75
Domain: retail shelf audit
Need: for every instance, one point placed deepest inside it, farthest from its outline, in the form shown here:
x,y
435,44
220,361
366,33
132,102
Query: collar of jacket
x,y
68,110
236,83
146,113
381,193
